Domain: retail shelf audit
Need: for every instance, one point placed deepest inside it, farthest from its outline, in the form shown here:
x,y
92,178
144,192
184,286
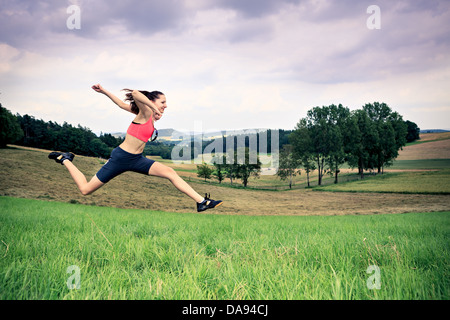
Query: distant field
x,y
142,254
139,238
434,136
418,182
430,146
422,168
424,164
30,174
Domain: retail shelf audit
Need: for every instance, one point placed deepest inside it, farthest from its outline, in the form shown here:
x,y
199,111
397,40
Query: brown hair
x,y
150,95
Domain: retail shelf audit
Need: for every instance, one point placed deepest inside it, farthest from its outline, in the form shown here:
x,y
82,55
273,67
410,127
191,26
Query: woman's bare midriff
x,y
132,145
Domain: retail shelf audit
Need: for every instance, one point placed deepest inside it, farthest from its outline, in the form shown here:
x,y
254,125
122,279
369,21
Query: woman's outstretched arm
x,y
116,100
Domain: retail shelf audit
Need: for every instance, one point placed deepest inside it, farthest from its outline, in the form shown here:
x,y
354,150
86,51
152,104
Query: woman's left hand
x,y
98,88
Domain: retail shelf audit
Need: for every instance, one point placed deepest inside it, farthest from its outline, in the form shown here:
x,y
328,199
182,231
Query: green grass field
x,y
259,245
422,164
415,182
139,254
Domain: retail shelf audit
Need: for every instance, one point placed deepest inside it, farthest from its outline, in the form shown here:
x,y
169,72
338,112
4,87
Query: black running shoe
x,y
61,156
208,204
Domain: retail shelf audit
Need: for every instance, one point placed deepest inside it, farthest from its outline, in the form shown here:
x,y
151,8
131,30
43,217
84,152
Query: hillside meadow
x,y
383,237
408,186
144,254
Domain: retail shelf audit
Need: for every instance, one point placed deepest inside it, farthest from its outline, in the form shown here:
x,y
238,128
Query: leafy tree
x,y
204,171
52,136
353,144
318,127
392,132
220,168
37,133
302,148
110,140
231,165
400,131
362,144
387,145
69,139
10,131
245,167
288,166
413,131
97,148
326,146
161,149
339,118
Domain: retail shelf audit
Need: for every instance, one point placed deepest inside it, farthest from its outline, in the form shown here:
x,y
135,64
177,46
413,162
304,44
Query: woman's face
x,y
161,104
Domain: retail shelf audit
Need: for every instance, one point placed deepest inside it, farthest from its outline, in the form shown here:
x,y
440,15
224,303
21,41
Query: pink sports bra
x,y
142,131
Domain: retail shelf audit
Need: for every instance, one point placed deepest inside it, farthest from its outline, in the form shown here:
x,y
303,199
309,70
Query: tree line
x,y
242,166
329,136
28,131
249,139
31,132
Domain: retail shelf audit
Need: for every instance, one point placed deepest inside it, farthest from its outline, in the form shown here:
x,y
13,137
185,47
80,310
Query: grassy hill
x,y
422,167
129,240
430,146
28,173
141,254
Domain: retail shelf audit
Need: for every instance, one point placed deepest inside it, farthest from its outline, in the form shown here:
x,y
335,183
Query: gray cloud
x,y
144,17
254,8
26,21
23,22
210,46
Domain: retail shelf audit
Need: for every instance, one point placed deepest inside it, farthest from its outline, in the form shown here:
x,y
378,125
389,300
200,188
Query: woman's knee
x,y
170,173
91,186
162,171
85,191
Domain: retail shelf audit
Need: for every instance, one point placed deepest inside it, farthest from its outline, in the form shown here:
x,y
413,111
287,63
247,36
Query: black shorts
x,y
121,161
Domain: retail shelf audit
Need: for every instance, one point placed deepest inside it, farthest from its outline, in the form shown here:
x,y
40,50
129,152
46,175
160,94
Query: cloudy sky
x,y
225,64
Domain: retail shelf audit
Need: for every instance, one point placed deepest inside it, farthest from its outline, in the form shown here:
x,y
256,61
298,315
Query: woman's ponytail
x,y
153,96
129,98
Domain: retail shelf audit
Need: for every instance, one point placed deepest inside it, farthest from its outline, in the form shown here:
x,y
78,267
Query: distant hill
x,y
175,135
433,131
118,134
163,134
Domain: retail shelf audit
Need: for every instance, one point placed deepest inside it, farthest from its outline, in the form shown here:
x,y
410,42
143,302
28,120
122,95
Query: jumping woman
x,y
148,107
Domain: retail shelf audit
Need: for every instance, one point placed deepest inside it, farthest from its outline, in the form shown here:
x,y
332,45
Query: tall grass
x,y
138,254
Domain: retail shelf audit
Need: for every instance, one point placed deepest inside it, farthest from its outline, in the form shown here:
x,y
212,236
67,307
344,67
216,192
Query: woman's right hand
x,y
98,88
157,114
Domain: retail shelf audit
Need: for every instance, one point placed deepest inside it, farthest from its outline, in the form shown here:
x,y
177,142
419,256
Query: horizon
x,y
193,132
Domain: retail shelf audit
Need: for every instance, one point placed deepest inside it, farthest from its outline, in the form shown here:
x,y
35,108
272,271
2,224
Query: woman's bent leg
x,y
83,185
163,171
